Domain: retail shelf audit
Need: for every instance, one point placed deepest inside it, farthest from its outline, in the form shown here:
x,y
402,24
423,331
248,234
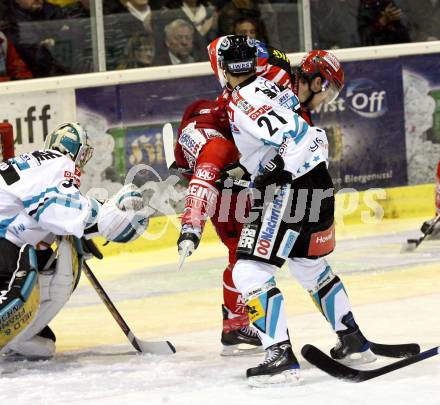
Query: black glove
x,y
231,172
273,173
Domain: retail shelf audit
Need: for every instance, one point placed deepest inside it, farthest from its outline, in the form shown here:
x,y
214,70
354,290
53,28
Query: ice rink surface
x,y
395,298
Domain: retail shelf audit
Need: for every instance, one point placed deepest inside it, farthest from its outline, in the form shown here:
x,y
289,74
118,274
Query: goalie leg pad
x,y
19,303
325,288
56,286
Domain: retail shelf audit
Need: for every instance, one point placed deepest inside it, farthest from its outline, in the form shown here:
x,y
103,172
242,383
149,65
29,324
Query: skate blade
x,y
288,377
356,359
241,350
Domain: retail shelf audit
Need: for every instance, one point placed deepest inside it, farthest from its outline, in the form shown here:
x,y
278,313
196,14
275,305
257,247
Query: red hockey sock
x,y
236,317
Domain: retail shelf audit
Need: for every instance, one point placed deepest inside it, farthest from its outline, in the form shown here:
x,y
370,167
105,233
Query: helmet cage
x,y
71,139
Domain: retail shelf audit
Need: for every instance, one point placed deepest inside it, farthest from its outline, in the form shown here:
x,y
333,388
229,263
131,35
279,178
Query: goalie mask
x,y
71,139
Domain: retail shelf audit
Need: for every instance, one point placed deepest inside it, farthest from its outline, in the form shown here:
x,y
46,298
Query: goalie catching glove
x,y
122,218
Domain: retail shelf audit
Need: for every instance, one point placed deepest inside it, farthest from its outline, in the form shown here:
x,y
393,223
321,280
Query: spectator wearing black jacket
x,y
382,22
37,55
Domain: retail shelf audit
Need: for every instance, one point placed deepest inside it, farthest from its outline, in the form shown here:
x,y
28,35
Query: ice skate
x,y
241,342
280,366
352,347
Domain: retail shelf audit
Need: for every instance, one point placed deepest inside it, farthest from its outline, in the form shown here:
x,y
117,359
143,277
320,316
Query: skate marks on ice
x,y
197,374
381,253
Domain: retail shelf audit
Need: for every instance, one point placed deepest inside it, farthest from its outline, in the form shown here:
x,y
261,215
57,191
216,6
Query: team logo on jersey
x,y
74,177
211,133
244,106
192,140
270,224
262,110
247,238
207,171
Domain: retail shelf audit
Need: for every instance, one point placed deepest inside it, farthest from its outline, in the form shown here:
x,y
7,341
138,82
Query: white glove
x,y
123,218
129,197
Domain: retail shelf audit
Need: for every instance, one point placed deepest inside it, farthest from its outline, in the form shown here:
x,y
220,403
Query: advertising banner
x,y
365,127
127,123
34,114
421,84
384,128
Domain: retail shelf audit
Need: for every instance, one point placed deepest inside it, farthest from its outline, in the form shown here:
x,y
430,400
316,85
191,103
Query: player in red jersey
x,y
204,147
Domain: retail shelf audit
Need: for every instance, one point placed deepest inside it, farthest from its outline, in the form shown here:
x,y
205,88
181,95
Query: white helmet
x,y
71,139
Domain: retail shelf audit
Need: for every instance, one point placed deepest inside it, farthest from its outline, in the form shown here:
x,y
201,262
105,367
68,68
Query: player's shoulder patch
x,y
192,140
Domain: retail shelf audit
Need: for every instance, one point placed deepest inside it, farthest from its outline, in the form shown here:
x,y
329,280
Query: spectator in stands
x,y
140,10
12,66
250,27
199,13
231,11
119,28
32,10
36,54
139,52
258,10
179,36
79,9
425,19
382,22
334,24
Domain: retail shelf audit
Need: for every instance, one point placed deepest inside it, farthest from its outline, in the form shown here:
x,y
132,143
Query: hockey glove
x,y
273,173
231,172
188,241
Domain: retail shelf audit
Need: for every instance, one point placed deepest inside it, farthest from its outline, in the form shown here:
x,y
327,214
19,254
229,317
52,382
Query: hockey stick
x,y
161,347
397,351
335,369
411,244
168,144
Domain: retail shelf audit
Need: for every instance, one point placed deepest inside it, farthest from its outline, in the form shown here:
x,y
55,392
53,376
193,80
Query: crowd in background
x,y
40,38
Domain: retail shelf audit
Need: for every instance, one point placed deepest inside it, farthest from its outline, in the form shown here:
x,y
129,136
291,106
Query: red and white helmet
x,y
327,66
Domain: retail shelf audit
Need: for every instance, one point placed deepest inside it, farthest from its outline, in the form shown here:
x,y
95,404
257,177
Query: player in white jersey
x,y
39,201
295,222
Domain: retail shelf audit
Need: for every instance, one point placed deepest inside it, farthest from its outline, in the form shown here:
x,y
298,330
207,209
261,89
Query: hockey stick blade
x,y
168,143
160,348
412,244
397,351
335,369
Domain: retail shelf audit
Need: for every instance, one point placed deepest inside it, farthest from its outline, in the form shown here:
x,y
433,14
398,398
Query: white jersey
x,y
39,195
264,122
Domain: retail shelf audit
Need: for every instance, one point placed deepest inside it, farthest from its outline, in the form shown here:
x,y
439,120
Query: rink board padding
x,y
365,207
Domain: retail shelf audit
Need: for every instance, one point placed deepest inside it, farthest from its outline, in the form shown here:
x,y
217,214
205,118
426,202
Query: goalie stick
x,y
160,347
335,369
